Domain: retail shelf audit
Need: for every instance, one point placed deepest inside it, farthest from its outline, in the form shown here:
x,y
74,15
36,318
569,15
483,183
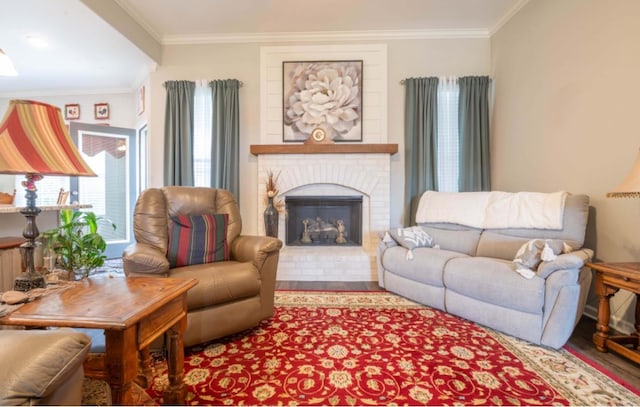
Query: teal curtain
x,y
178,133
420,141
473,125
225,135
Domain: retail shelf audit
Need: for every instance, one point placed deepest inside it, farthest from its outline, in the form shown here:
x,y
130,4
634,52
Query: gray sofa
x,y
472,275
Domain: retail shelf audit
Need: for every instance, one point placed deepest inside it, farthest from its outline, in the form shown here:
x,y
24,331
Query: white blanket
x,y
493,210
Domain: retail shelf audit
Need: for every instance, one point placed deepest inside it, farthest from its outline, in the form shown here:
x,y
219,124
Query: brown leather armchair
x,y
231,296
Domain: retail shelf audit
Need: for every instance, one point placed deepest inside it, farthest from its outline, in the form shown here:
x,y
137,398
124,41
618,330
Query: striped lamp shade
x,y
34,140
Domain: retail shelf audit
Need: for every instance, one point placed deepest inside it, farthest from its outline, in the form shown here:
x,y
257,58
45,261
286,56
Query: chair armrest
x,y
142,258
254,249
572,260
37,362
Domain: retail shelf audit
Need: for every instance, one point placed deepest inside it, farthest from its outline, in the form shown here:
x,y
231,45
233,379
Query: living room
x,y
561,105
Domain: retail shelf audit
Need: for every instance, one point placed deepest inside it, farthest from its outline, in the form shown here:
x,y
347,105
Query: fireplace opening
x,y
323,221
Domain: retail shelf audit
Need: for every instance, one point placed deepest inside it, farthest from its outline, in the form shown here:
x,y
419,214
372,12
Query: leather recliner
x,y
231,296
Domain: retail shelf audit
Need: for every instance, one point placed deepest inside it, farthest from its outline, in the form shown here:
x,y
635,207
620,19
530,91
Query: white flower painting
x,y
326,95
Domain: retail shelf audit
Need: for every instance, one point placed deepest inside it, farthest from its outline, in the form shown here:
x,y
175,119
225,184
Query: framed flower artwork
x,y
325,95
72,111
101,111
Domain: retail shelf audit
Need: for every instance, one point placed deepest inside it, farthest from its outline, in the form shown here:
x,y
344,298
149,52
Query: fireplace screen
x,y
324,220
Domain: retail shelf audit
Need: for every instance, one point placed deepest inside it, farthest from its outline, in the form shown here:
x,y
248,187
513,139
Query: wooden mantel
x,y
336,148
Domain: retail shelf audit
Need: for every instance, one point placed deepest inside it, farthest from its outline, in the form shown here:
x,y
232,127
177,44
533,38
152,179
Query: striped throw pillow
x,y
197,239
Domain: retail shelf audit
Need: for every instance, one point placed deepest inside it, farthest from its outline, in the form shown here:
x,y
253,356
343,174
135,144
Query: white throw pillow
x,y
410,238
535,251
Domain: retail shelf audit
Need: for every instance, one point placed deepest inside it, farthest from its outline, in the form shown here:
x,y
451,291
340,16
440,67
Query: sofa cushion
x,y
463,240
493,281
197,239
219,282
499,246
426,266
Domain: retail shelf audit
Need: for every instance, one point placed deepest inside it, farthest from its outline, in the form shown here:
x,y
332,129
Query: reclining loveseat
x,y
464,259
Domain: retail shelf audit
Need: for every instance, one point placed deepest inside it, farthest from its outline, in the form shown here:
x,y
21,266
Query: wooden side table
x,y
133,312
611,277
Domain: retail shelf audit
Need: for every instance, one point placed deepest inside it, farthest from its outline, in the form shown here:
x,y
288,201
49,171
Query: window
x,y
448,140
202,135
48,189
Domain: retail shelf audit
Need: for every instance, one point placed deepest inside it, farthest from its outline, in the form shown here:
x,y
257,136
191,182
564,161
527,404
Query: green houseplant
x,y
76,243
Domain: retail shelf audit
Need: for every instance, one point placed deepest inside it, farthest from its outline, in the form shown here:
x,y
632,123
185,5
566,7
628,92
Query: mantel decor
x,y
34,141
271,216
343,148
322,97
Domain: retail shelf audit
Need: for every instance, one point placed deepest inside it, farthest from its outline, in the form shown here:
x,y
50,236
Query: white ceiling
x,y
87,55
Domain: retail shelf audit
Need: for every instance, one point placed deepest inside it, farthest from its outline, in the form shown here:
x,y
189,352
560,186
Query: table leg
x,y
176,390
637,332
144,369
602,326
121,362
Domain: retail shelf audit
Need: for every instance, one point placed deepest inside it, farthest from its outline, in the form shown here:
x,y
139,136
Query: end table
x,y
610,278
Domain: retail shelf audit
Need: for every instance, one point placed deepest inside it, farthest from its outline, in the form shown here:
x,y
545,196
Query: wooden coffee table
x,y
132,312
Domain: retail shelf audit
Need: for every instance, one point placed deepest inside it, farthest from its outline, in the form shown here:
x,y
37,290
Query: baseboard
x,y
616,323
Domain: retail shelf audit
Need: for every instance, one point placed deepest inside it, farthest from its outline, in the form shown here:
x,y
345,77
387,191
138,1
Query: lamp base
x,y
29,281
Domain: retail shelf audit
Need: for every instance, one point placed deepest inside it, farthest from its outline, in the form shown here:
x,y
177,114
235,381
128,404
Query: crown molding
x,y
64,92
508,16
322,36
139,18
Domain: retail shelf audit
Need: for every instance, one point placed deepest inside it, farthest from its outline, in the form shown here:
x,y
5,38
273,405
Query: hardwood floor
x,y
580,341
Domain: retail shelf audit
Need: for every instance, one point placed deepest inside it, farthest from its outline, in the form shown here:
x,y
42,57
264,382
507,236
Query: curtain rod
x,y
205,81
402,81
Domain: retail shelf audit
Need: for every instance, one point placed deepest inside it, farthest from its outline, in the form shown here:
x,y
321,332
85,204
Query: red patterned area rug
x,y
376,348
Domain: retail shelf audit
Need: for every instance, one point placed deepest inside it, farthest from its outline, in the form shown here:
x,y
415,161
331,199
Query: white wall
x,y
405,58
565,115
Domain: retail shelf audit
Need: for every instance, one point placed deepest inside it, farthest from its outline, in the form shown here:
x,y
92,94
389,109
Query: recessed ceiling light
x,y
36,41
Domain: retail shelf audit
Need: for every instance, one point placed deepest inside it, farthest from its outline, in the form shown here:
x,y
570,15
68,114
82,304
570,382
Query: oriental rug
x,y
376,348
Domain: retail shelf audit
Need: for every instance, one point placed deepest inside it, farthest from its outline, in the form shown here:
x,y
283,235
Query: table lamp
x,y
630,186
34,141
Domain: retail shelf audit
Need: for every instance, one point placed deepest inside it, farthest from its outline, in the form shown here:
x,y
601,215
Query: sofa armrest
x,y
254,249
142,258
386,240
572,260
37,362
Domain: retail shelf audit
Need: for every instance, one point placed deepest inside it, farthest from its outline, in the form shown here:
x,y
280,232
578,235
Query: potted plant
x,y
76,243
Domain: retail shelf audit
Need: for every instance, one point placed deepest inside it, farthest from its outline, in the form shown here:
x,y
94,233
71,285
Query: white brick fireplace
x,y
362,171
366,174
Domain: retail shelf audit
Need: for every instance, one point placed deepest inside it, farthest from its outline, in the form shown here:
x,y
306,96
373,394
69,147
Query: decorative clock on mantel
x,y
318,136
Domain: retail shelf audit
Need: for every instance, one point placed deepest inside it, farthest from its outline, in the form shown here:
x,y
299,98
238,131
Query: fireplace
x,y
365,175
323,221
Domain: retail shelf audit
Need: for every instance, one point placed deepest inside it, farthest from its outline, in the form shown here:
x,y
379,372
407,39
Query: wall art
x,y
101,111
323,95
72,111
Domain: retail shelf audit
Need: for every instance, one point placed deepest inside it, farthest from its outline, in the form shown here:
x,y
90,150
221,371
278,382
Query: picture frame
x,y
324,95
72,111
63,196
140,100
101,111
